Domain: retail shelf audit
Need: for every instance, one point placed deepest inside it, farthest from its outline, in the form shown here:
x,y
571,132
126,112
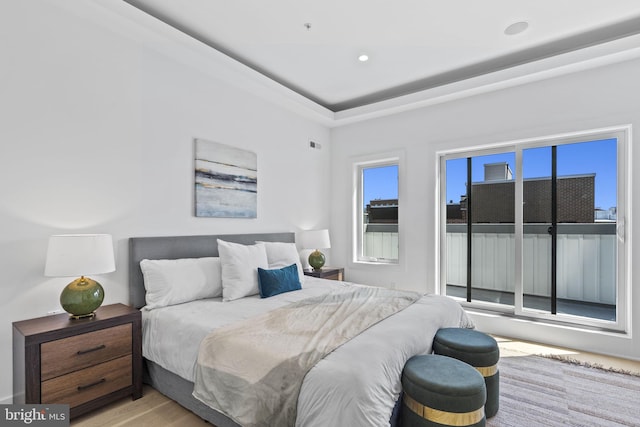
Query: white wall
x,y
597,98
96,136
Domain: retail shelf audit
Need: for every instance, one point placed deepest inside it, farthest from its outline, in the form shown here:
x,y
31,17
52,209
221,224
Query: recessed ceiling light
x,y
363,58
516,28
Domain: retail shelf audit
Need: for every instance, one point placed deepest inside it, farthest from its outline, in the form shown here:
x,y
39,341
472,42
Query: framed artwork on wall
x,y
226,181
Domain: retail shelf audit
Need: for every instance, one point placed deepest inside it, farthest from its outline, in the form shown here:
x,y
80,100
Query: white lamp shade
x,y
76,255
315,239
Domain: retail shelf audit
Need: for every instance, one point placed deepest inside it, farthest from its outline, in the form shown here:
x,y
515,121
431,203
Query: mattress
x,y
358,382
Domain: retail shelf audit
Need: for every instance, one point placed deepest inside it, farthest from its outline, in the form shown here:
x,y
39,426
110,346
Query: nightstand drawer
x,y
88,384
81,351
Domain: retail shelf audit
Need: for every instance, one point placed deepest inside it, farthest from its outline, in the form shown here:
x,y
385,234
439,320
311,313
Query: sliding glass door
x,y
538,260
570,269
534,229
480,228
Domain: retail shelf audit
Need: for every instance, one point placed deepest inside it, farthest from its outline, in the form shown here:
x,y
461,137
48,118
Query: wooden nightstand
x,y
330,273
85,363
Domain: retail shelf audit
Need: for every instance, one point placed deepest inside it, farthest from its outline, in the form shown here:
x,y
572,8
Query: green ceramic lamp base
x,y
316,260
82,297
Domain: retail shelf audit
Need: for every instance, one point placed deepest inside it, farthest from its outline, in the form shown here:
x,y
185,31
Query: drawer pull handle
x,y
100,347
84,387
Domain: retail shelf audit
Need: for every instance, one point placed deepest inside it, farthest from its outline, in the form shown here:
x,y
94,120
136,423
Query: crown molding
x,y
146,30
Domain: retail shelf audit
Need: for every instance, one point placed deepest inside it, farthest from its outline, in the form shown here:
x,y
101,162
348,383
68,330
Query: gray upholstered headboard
x,y
174,247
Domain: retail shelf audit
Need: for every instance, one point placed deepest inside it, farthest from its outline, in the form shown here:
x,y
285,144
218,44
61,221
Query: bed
x,y
358,384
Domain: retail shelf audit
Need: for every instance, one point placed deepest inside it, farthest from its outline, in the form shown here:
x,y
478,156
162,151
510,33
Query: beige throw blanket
x,y
253,370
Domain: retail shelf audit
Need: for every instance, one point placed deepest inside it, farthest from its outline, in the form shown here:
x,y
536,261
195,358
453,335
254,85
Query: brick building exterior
x,y
382,211
493,201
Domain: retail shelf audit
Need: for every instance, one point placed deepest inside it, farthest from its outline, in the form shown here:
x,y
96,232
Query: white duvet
x,y
356,385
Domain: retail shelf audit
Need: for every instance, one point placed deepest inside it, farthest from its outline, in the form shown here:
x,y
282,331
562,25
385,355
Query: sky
x,y
597,157
380,183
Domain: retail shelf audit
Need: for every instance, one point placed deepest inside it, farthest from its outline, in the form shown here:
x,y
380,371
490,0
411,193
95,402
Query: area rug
x,y
537,391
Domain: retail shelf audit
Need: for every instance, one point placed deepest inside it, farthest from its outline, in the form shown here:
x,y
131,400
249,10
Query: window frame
x,y
395,158
623,226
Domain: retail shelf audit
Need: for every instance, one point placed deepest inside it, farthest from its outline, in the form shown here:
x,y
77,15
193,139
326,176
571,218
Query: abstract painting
x,y
226,180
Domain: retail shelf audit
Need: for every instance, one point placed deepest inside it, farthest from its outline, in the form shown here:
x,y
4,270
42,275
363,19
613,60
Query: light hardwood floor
x,y
510,348
156,410
152,409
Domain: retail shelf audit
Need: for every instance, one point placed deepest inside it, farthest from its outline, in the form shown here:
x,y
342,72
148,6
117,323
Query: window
x,y
376,211
539,232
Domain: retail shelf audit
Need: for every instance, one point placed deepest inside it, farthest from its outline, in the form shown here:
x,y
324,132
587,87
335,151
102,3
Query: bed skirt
x,y
177,388
180,390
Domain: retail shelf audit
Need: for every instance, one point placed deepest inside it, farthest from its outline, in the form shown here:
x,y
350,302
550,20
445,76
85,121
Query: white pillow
x,y
174,281
240,268
280,254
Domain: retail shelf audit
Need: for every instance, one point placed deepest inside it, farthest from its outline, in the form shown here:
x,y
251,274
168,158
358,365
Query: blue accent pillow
x,y
278,281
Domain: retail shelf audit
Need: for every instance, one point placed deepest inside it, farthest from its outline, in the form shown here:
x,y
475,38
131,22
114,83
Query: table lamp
x,y
73,255
315,239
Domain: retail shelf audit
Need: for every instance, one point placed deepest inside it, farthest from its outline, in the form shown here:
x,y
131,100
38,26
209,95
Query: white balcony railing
x,y
380,242
586,259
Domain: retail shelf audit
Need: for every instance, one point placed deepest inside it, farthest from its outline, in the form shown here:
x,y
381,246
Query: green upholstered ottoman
x,y
442,391
478,350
